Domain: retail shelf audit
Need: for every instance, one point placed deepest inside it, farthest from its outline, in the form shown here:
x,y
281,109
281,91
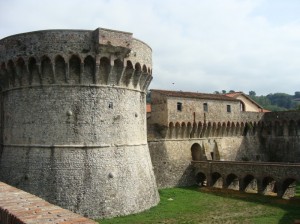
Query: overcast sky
x,y
198,45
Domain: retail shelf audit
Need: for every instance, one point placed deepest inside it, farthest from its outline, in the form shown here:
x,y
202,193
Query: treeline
x,y
274,101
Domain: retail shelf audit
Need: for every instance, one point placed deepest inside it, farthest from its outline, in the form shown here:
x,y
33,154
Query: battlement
x,y
75,57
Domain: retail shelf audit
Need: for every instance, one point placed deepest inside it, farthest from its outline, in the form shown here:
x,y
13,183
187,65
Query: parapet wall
x,y
100,57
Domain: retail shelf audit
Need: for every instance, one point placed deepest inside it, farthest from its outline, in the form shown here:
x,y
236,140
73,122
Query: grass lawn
x,y
208,205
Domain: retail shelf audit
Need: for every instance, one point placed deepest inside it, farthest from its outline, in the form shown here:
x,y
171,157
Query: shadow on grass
x,y
291,206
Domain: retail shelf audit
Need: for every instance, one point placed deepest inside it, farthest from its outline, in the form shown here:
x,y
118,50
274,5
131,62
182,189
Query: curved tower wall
x,y
74,120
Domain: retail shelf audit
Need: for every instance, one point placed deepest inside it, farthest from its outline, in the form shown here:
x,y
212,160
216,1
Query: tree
x,y
252,93
224,91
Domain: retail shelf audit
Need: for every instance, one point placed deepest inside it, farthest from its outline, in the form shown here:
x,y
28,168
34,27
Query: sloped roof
x,y
236,94
182,94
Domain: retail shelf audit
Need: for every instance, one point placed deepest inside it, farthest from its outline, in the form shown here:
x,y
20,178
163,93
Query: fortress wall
x,y
74,120
171,159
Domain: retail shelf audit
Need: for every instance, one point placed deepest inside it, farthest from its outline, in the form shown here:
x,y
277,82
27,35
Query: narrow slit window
x,y
205,107
179,106
110,105
229,108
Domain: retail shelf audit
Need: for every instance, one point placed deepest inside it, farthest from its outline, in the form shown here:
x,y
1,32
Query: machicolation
x,y
73,124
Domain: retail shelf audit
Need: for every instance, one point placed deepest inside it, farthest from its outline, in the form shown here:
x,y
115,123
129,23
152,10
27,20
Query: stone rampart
x,y
74,120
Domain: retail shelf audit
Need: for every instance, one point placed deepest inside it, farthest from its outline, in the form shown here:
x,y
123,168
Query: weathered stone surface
x,y
74,121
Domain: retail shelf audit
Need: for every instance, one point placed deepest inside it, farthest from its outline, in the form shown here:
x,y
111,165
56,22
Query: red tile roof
x,y
148,109
194,95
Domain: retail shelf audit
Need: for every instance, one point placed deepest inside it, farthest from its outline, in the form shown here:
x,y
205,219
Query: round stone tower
x,y
73,120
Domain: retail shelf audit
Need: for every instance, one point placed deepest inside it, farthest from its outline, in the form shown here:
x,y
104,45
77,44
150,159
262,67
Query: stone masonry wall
x,y
74,120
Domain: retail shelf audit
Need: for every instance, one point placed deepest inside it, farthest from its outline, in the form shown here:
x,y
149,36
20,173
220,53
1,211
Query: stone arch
x,y
208,130
223,132
269,185
188,130
171,130
128,73
47,70
250,184
214,130
137,74
199,129
89,71
228,126
74,70
288,188
194,130
197,152
219,130
215,153
104,70
201,179
242,129
217,180
278,128
4,76
60,69
292,128
144,76
237,129
183,130
34,74
177,130
232,129
12,73
21,72
232,181
116,73
242,106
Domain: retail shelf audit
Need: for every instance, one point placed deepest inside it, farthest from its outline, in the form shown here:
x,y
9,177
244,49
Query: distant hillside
x,y
274,101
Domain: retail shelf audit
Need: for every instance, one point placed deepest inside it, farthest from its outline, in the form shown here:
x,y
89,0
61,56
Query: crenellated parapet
x,y
75,57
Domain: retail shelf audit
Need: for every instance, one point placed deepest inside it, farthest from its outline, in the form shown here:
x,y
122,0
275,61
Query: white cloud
x,y
198,45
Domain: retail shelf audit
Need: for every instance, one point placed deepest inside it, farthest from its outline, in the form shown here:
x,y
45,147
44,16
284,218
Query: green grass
x,y
193,205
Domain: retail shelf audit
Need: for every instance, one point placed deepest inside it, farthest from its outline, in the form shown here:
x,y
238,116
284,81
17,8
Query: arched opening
x,y
269,186
171,130
74,70
250,184
217,180
144,76
242,106
201,179
22,75
104,70
4,76
288,188
89,70
128,73
12,73
34,76
60,70
137,74
197,152
116,74
183,130
47,71
177,130
232,182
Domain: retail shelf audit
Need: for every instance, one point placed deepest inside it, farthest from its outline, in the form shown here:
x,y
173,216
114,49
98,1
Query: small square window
x,y
205,107
110,105
229,108
179,106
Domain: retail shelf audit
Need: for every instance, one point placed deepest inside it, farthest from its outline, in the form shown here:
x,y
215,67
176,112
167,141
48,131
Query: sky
x,y
198,45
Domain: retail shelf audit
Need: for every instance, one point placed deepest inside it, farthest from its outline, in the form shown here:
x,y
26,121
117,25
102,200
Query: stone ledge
x,y
20,207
